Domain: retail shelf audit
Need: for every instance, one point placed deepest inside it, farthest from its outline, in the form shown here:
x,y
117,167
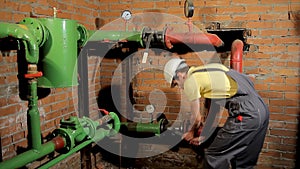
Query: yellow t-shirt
x,y
209,84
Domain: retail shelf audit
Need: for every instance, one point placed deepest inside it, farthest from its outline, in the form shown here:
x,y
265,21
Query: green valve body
x,y
58,55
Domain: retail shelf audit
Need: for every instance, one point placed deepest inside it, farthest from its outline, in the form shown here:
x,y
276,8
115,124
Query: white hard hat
x,y
170,69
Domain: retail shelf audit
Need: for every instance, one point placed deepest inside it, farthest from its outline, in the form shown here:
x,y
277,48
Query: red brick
x,y
284,102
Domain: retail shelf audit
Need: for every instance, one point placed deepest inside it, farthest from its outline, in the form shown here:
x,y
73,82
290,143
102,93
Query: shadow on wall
x,y
106,101
295,16
6,47
113,103
298,145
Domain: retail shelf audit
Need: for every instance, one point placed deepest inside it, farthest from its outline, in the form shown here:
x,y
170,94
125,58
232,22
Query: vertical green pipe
x,y
34,116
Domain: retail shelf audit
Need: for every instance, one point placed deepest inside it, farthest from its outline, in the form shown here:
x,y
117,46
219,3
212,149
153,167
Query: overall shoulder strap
x,y
209,70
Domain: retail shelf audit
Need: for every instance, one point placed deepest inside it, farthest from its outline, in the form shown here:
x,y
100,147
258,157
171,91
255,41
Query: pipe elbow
x,y
215,40
21,32
237,55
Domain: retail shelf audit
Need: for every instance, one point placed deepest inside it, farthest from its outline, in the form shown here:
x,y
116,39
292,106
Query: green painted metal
x,y
94,135
75,131
115,36
64,156
22,32
59,53
117,123
100,134
72,131
28,156
154,128
34,116
83,35
37,29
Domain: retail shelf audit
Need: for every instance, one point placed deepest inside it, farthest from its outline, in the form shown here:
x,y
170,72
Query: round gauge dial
x,y
126,15
150,108
188,8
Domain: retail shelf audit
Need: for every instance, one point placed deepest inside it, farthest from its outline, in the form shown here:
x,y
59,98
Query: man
x,y
238,143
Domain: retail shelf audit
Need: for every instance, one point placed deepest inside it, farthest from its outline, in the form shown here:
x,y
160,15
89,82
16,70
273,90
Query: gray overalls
x,y
239,142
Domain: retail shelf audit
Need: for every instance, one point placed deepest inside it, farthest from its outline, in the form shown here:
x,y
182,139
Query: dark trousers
x,y
238,143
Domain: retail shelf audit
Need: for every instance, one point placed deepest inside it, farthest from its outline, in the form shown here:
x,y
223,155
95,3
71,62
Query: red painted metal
x,y
33,75
59,142
191,38
236,61
104,111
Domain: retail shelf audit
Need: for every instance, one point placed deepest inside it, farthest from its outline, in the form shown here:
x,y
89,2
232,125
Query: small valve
x,y
32,72
33,75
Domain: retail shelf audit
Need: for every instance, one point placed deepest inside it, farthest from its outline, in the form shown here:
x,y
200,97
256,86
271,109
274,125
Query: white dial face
x,y
150,108
126,15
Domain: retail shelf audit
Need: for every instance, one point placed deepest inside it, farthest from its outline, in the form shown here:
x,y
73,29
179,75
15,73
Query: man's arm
x,y
210,125
196,118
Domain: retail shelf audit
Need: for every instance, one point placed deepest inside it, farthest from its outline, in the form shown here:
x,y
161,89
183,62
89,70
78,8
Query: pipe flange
x,y
37,29
69,140
83,35
88,124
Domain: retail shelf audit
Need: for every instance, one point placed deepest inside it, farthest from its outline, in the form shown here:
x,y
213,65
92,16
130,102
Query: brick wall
x,y
272,61
54,104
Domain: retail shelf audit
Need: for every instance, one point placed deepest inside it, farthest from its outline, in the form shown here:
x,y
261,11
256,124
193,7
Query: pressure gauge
x,y
150,108
126,15
188,8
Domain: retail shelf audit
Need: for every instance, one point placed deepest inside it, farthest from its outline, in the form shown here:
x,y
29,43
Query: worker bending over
x,y
238,143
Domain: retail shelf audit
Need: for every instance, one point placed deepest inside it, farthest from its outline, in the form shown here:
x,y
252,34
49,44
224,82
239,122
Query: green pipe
x,y
34,116
49,147
64,156
117,122
154,128
104,35
99,135
58,57
22,32
28,156
96,135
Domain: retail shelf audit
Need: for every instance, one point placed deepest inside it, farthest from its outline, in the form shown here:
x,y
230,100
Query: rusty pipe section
x,y
191,38
236,61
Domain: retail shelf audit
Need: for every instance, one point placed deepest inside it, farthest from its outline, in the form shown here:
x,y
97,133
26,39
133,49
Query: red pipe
x,y
236,61
59,142
191,38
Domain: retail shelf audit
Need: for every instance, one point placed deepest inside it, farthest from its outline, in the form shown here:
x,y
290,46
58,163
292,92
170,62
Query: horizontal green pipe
x,y
154,128
104,35
64,156
20,31
99,135
28,156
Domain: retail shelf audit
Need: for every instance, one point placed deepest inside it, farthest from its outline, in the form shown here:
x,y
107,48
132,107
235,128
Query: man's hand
x,y
188,136
197,140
